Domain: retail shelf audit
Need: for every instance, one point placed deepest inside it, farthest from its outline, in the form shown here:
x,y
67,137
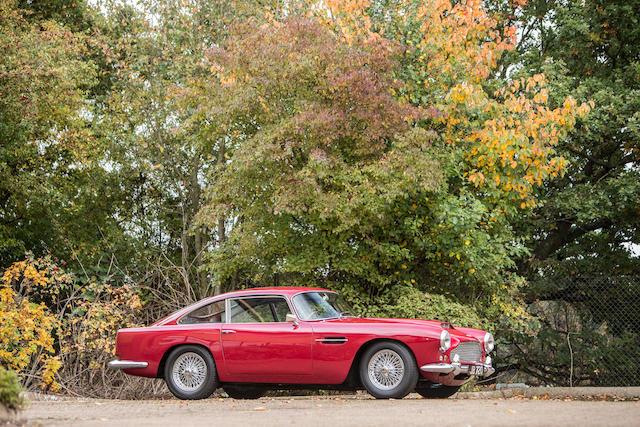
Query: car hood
x,y
433,326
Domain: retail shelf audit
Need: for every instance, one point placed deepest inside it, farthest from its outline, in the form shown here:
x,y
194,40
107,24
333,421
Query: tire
x,y
388,370
244,392
436,391
200,379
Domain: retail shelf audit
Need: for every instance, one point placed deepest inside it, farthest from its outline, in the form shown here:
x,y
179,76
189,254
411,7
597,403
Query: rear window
x,y
210,313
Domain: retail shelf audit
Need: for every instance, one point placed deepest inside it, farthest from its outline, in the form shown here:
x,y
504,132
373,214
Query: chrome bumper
x,y
127,364
456,368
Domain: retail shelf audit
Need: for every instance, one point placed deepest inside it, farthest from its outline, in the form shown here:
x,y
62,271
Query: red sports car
x,y
251,340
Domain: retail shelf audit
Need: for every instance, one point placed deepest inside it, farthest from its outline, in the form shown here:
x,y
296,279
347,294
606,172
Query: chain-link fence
x,y
586,332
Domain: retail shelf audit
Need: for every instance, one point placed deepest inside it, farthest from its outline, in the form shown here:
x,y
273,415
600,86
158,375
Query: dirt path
x,y
333,412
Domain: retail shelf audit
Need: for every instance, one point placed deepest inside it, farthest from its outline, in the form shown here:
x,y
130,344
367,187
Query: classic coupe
x,y
252,340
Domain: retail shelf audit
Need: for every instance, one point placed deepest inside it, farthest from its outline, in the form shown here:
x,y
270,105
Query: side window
x,y
210,313
258,310
281,309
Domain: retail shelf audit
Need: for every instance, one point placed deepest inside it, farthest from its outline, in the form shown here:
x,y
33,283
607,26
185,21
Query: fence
x,y
586,332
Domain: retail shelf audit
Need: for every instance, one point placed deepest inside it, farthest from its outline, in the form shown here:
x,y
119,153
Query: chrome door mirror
x,y
290,318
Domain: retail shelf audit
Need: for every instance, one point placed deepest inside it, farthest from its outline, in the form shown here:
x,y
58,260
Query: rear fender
x,y
153,344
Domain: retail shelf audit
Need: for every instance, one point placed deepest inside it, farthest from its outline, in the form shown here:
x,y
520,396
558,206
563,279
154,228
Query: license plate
x,y
475,370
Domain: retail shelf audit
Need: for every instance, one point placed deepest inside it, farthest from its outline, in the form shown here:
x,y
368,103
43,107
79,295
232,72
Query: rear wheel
x,y
436,391
190,373
244,392
388,370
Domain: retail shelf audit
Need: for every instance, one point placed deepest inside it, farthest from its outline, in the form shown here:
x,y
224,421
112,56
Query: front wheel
x,y
436,391
388,370
244,392
190,373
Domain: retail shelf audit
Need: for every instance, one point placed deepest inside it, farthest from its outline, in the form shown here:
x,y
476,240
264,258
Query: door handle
x,y
228,331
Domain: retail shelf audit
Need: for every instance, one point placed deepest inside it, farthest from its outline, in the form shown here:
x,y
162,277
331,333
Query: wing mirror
x,y
290,318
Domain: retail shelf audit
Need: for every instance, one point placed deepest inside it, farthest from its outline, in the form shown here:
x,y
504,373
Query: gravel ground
x,y
333,411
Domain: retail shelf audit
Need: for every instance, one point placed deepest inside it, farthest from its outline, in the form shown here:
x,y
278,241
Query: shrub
x,y
404,301
59,331
412,303
87,336
26,332
10,389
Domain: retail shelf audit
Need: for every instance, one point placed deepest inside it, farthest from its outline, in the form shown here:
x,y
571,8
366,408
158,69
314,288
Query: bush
x,y
404,301
58,331
415,304
27,329
87,337
10,389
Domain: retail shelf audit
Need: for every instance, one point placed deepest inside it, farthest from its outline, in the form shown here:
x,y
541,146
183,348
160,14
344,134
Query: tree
x,y
158,151
317,199
320,150
46,152
588,220
582,236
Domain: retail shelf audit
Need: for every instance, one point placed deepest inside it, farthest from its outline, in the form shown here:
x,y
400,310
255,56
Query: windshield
x,y
321,305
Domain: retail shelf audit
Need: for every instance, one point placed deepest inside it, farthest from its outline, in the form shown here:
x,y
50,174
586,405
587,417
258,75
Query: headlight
x,y
445,341
489,343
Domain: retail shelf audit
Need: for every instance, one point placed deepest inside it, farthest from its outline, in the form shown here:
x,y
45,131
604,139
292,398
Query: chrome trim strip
x,y
328,340
456,368
216,298
127,364
228,309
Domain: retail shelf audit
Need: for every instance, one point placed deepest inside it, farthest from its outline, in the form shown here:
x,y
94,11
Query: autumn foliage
x,y
56,327
388,159
314,117
27,329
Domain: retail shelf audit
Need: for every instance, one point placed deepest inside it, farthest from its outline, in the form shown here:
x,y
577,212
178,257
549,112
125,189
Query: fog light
x,y
487,360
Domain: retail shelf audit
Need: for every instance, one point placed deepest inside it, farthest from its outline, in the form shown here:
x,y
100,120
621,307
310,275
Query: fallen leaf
x,y
260,408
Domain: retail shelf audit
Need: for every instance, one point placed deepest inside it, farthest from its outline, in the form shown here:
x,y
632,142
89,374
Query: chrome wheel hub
x,y
189,371
386,369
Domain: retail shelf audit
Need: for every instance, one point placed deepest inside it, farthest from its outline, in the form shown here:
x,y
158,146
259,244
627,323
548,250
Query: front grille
x,y
468,351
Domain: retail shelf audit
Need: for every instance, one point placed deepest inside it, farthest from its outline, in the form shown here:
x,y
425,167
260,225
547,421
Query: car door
x,y
260,346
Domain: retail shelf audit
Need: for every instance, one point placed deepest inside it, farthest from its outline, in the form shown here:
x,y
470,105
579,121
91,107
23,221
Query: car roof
x,y
273,290
278,290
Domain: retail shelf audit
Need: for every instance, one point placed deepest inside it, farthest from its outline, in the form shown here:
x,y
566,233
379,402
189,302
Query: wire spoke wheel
x,y
189,372
386,369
